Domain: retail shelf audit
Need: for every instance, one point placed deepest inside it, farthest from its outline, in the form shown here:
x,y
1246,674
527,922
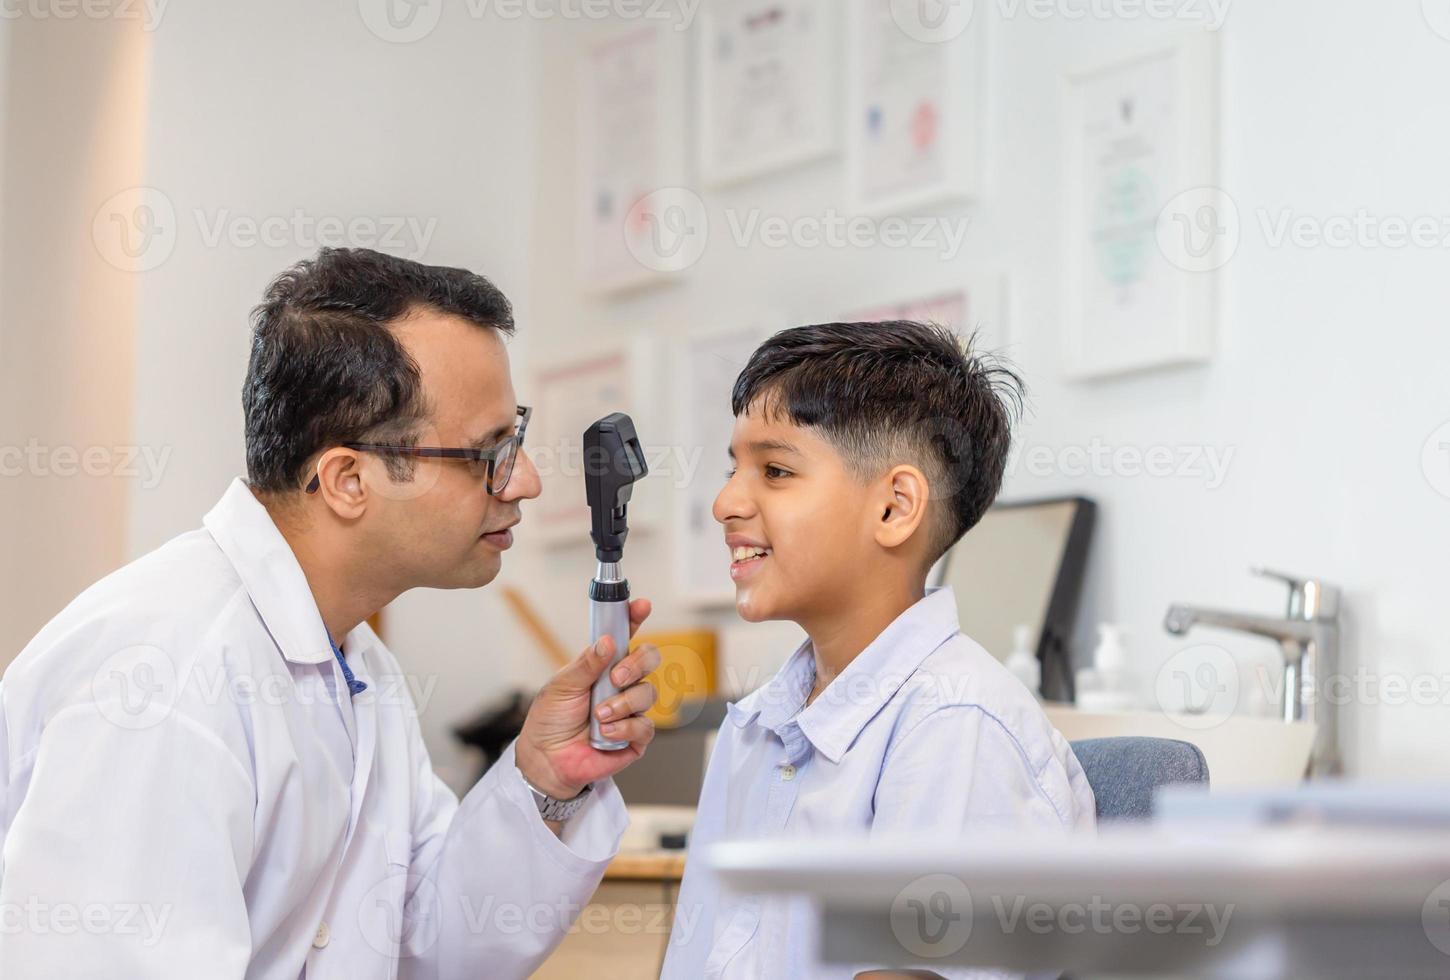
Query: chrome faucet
x,y
1308,636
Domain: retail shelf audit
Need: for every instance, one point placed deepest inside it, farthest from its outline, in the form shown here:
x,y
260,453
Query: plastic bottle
x,y
1109,684
1023,662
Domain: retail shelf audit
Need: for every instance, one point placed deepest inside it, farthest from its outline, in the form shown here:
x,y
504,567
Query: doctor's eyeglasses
x,y
495,465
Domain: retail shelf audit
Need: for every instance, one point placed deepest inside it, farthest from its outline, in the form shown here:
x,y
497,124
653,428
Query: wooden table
x,y
622,933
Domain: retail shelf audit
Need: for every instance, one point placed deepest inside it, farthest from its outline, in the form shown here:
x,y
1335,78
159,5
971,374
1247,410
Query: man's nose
x,y
524,484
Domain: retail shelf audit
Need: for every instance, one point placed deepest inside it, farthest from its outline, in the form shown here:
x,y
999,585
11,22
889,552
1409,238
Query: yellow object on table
x,y
686,673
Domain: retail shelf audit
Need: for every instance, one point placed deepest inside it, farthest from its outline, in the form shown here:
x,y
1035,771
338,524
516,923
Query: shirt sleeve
x,y
128,855
960,770
504,888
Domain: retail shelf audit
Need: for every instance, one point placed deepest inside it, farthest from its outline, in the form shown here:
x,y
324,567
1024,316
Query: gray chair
x,y
1125,772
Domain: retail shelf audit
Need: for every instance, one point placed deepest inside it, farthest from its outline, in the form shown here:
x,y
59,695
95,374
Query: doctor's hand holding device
x,y
613,464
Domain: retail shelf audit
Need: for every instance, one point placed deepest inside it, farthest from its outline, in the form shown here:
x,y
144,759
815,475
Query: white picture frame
x,y
706,366
631,136
1141,146
918,113
767,87
569,395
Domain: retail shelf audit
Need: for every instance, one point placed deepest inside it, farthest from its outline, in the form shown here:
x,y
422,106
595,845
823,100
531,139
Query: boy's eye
x,y
775,472
730,473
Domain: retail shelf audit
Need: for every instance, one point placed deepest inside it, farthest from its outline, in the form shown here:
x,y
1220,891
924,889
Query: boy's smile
x,y
746,554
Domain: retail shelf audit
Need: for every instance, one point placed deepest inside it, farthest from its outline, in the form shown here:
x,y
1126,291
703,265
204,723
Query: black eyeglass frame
x,y
490,456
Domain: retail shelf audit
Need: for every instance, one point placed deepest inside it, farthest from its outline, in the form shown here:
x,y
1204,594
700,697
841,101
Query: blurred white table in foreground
x,y
1277,902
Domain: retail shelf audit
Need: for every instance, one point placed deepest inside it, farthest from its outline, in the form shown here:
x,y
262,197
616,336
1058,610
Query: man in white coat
x,y
209,763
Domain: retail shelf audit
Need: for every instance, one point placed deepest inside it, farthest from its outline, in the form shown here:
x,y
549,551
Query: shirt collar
x,y
274,580
779,699
834,719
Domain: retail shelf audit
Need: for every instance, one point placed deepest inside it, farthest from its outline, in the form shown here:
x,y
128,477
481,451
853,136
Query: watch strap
x,y
553,808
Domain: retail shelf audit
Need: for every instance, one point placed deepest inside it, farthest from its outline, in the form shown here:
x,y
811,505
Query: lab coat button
x,y
323,935
787,772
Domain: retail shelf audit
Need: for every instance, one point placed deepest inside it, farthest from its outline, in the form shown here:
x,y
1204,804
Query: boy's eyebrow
x,y
767,446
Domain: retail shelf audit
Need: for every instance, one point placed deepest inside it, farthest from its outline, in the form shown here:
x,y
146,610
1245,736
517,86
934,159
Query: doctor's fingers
x,y
632,701
642,661
637,730
639,610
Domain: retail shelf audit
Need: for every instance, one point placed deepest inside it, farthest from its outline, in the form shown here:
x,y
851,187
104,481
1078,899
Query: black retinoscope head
x,y
613,464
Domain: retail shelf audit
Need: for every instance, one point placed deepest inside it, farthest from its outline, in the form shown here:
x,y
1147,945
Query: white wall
x,y
74,104
1330,373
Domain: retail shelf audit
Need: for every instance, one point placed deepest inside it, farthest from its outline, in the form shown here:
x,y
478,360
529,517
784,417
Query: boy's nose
x,y
731,503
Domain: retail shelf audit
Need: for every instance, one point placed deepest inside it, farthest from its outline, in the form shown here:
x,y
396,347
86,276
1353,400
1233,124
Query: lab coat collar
x,y
833,720
244,531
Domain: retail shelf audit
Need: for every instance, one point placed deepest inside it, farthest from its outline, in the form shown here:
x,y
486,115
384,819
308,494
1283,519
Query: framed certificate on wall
x,y
630,132
767,86
916,130
1147,224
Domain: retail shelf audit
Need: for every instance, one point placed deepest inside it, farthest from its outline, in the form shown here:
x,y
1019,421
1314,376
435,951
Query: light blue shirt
x,y
923,733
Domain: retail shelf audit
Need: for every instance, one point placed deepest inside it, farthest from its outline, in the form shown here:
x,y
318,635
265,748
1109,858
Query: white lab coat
x,y
187,790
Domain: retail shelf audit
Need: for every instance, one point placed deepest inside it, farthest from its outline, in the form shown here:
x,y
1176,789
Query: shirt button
x,y
787,772
323,935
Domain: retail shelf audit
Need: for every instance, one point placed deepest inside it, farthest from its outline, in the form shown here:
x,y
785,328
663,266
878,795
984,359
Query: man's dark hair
x,y
326,368
895,392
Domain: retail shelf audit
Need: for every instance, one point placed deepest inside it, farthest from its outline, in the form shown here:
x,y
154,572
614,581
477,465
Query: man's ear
x,y
340,482
903,503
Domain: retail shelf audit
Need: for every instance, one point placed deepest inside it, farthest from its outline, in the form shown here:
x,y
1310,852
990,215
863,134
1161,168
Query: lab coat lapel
x,y
274,581
363,719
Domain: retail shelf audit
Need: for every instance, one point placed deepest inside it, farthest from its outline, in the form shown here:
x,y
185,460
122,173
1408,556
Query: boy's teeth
x,y
744,553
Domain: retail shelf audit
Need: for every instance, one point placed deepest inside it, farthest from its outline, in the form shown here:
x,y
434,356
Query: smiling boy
x,y
862,452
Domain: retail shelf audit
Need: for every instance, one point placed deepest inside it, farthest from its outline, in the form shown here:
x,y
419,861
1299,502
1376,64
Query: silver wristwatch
x,y
552,808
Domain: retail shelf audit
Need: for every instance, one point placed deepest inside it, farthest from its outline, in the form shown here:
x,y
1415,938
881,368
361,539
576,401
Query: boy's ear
x,y
903,502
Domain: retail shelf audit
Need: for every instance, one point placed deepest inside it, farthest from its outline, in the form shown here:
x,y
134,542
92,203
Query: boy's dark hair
x,y
325,367
896,392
